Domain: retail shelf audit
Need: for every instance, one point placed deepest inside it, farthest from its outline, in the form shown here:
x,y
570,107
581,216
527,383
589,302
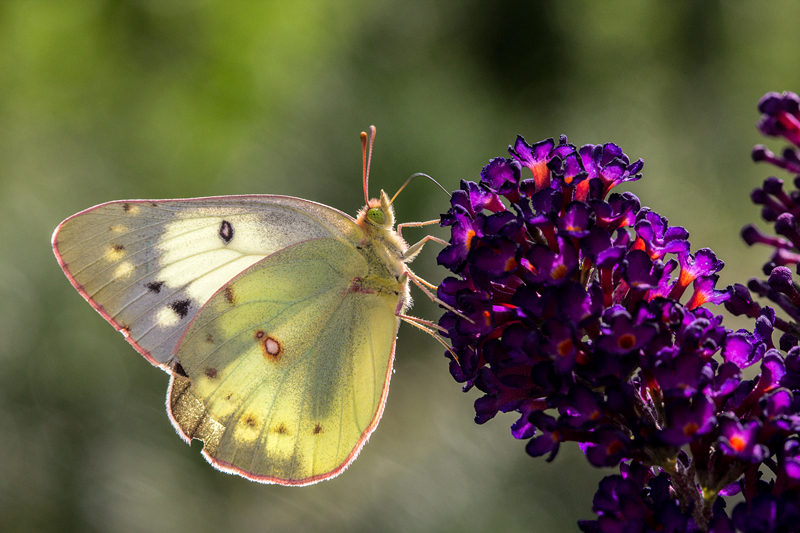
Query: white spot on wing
x,y
167,317
123,269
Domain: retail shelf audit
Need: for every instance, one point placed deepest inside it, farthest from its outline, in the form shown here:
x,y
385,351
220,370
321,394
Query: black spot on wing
x,y
181,307
126,207
154,286
117,247
226,231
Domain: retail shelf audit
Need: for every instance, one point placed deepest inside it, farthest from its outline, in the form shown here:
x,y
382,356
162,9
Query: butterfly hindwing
x,y
149,266
286,369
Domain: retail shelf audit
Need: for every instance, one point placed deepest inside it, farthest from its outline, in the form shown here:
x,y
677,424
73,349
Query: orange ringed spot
x,y
272,348
738,443
259,334
626,341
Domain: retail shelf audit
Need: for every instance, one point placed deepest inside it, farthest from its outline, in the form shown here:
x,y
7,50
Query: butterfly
x,y
275,317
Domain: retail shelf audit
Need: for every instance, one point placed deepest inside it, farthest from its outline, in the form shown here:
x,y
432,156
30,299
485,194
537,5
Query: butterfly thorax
x,y
383,249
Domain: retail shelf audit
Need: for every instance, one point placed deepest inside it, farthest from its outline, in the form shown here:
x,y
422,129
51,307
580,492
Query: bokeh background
x,y
104,100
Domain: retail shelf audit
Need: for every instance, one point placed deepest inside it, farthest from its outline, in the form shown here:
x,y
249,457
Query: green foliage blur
x,y
105,100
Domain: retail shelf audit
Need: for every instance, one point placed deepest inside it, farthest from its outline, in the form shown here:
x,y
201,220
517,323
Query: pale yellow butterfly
x,y
275,317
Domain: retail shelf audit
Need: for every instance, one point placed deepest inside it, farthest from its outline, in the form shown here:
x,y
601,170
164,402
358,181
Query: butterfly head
x,y
377,213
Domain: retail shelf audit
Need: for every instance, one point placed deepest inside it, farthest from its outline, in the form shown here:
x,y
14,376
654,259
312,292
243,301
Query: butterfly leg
x,y
426,287
429,327
414,225
416,248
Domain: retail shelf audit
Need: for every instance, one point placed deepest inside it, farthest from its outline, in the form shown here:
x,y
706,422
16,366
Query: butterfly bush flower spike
x,y
590,317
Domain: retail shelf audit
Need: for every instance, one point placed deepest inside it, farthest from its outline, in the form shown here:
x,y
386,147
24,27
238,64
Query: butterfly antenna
x,y
366,158
418,174
364,165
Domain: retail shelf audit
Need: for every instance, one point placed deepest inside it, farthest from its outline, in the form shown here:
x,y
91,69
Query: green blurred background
x,y
161,99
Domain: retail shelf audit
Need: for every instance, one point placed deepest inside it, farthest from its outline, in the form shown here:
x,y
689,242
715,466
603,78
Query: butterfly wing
x,y
285,371
149,266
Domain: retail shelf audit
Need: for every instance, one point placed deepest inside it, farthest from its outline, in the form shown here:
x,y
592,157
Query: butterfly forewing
x,y
149,266
289,365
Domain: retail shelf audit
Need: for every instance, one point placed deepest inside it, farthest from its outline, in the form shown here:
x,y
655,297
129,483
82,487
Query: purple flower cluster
x,y
780,118
582,311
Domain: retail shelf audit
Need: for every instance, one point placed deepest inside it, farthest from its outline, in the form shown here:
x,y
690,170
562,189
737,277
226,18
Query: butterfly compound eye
x,y
377,216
